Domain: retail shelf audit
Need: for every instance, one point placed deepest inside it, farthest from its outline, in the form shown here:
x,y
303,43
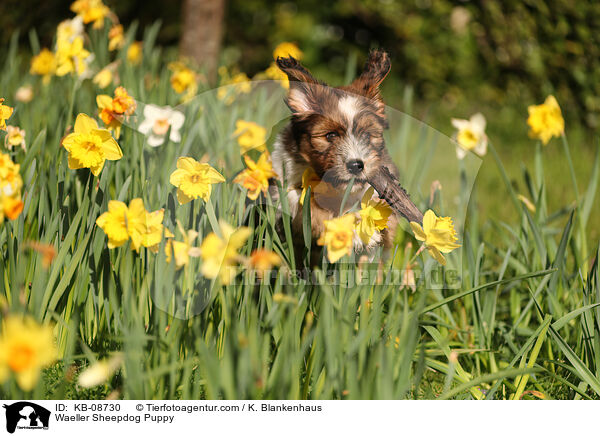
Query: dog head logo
x,y
26,415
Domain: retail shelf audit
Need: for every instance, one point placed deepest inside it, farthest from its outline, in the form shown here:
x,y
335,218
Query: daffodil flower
x,y
91,11
220,253
374,214
114,109
5,114
116,38
156,124
25,349
43,64
471,135
103,78
121,223
100,371
15,137
89,146
24,94
545,120
239,83
437,233
183,78
194,179
256,177
68,30
338,237
10,179
250,136
322,191
263,260
71,57
134,52
11,183
182,250
287,49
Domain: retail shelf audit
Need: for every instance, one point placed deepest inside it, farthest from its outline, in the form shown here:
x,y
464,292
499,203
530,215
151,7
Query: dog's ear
x,y
376,68
303,86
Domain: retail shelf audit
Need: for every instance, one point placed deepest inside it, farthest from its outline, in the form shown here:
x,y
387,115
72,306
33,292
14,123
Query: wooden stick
x,y
389,189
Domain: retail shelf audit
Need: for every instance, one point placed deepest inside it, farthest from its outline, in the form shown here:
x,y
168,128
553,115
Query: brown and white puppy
x,y
338,132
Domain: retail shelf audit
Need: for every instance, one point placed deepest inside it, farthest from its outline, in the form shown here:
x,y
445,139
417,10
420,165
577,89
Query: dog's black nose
x,y
355,166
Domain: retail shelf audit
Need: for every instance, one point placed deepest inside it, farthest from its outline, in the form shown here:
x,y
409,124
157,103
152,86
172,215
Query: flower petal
x,y
418,231
85,124
182,198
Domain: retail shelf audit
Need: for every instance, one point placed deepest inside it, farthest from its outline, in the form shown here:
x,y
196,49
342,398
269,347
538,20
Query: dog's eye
x,y
330,136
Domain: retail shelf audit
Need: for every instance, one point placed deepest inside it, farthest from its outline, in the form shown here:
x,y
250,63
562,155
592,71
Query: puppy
x,y
337,134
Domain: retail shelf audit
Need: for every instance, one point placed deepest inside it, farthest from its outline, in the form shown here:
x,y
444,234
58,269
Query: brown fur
x,y
330,127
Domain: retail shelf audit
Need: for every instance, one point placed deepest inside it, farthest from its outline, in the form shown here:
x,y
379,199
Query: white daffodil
x,y
470,136
70,29
157,121
100,372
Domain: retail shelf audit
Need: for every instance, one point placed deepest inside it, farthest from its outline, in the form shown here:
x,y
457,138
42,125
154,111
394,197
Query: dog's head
x,y
339,131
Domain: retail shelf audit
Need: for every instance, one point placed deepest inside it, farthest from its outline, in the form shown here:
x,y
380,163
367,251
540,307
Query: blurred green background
x,y
457,57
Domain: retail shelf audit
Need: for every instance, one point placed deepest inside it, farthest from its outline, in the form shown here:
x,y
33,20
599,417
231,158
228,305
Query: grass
x,y
518,320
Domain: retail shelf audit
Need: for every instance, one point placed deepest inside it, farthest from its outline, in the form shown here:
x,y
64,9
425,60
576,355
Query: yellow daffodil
x,y
374,214
15,137
5,114
153,230
114,109
471,135
274,73
220,254
232,86
323,191
103,78
263,261
545,120
116,38
338,237
91,11
194,179
256,177
182,250
24,94
287,49
90,146
11,183
437,233
121,223
71,57
43,64
241,82
250,136
100,372
183,79
26,347
134,52
12,207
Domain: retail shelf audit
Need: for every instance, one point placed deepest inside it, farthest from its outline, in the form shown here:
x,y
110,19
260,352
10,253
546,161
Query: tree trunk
x,y
202,33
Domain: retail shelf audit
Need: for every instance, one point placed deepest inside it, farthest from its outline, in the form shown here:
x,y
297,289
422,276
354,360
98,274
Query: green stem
x,y
578,206
532,358
505,178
